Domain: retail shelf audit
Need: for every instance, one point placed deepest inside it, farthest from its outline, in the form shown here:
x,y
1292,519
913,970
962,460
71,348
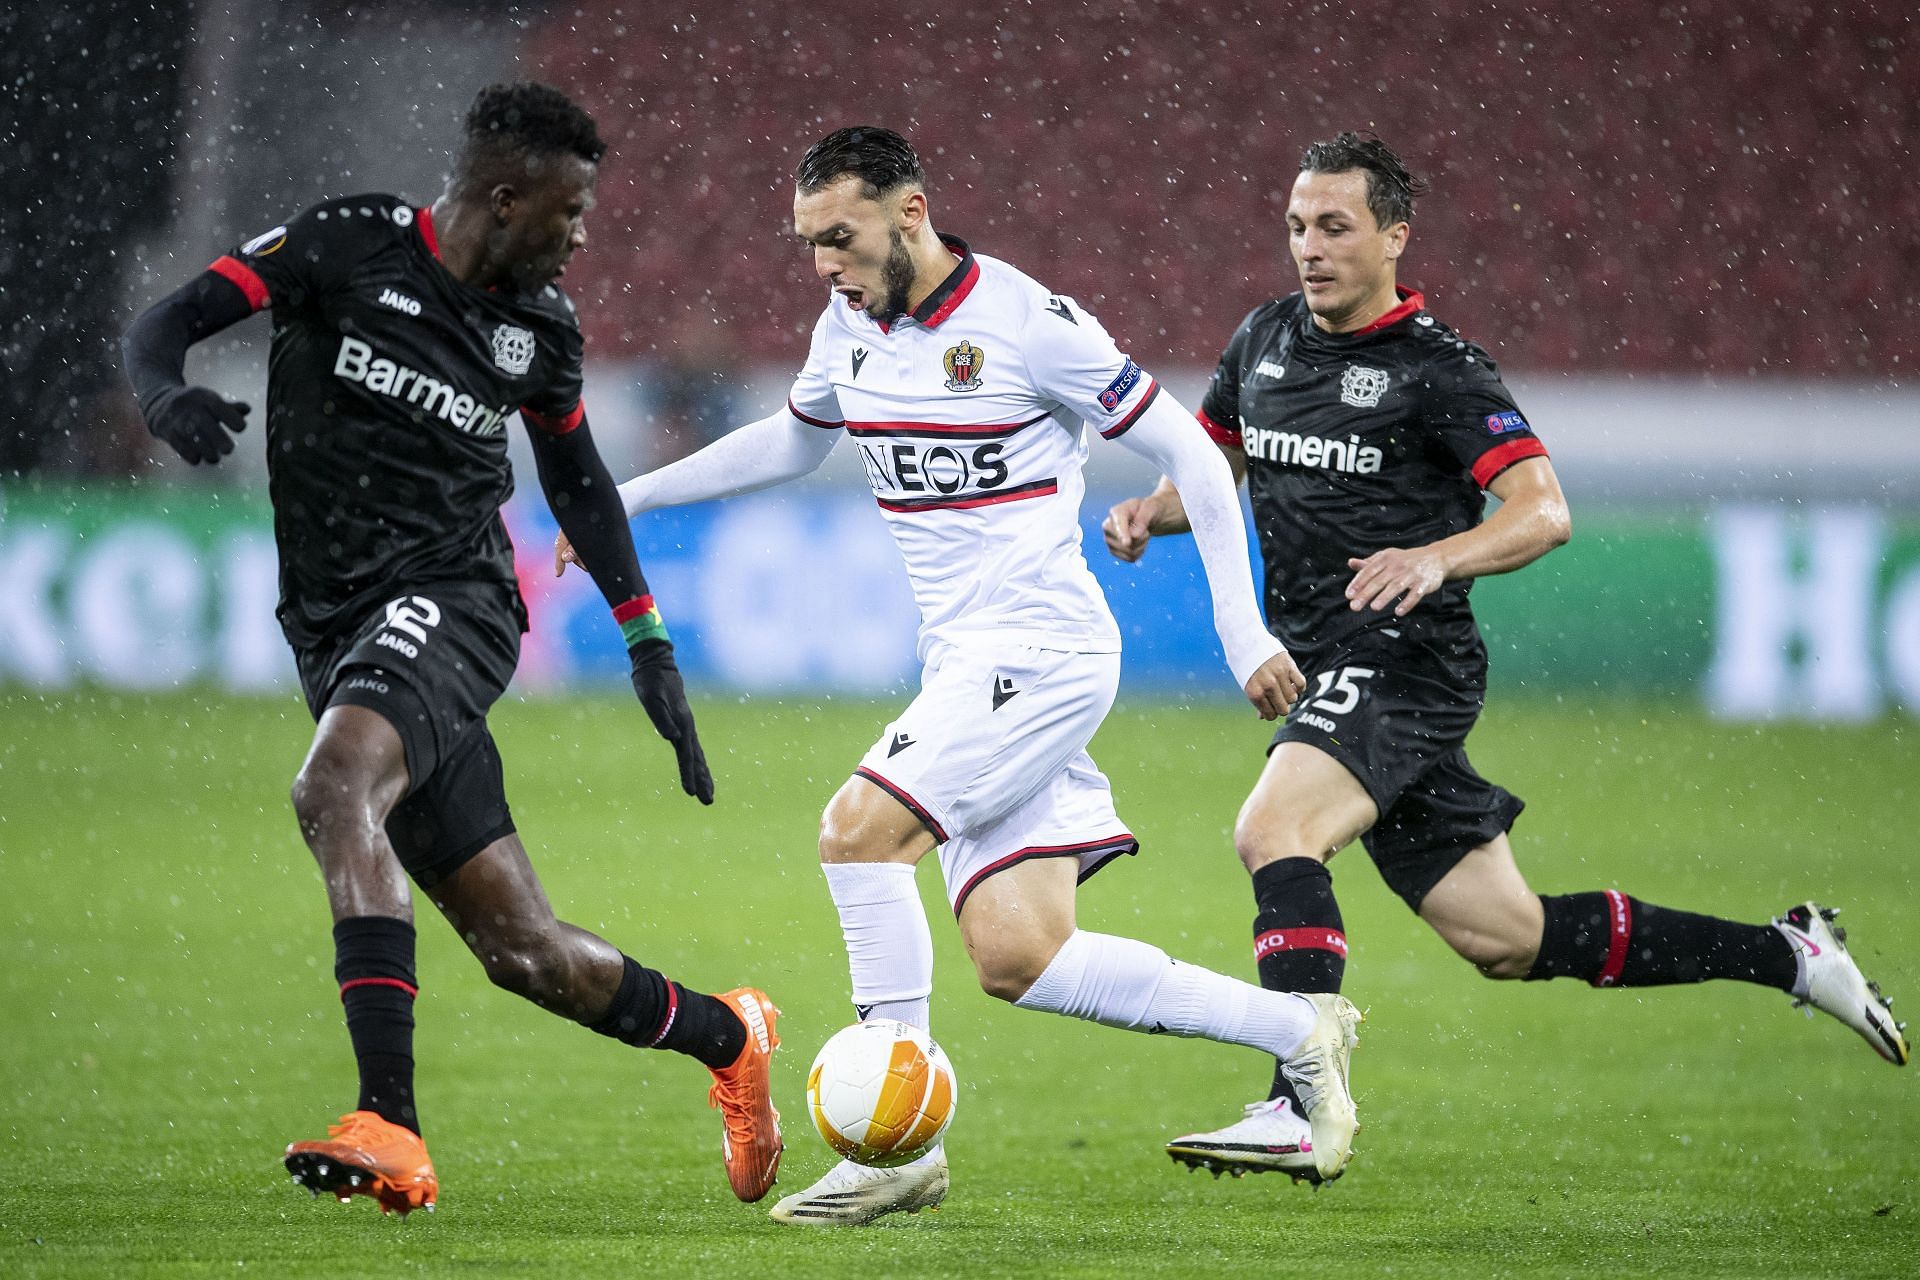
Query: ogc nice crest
x,y
964,363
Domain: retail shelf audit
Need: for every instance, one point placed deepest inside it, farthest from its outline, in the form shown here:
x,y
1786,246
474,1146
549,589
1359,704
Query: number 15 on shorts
x,y
1334,694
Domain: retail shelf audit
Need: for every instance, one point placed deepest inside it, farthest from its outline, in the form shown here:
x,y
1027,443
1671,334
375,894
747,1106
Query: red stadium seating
x,y
1712,186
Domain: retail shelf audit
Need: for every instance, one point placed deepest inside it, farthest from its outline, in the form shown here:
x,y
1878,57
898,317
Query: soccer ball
x,y
881,1093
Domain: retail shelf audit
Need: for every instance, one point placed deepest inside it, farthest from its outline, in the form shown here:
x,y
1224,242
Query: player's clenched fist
x,y
1276,686
195,421
656,679
563,554
1127,529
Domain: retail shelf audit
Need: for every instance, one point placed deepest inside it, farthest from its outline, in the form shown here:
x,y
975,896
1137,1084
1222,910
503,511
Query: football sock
x,y
1611,940
651,1012
1119,982
889,946
373,962
1299,941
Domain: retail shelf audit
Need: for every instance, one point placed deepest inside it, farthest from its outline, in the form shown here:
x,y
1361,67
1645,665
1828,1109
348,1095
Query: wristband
x,y
639,620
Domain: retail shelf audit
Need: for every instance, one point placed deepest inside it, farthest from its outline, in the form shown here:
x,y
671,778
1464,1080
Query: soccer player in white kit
x,y
968,390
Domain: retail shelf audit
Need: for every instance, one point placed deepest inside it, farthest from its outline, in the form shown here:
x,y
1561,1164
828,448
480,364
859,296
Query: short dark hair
x,y
509,125
882,160
1391,190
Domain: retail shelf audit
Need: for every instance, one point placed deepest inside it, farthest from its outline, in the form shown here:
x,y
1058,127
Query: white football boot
x,y
851,1195
1271,1136
1317,1070
1831,982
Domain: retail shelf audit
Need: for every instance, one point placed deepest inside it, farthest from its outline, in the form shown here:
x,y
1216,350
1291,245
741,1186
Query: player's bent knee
x,y
1261,842
1009,971
324,796
527,965
1502,959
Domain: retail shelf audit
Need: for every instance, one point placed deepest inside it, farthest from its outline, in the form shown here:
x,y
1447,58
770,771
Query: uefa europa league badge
x,y
964,363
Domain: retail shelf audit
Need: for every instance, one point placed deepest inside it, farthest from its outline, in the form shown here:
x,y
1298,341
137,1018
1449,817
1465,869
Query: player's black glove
x,y
195,421
662,692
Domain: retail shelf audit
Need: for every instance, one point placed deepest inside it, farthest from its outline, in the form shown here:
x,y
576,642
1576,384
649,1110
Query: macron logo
x,y
357,363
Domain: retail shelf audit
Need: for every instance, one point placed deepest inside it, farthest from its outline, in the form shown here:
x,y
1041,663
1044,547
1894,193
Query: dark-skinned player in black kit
x,y
1368,433
404,337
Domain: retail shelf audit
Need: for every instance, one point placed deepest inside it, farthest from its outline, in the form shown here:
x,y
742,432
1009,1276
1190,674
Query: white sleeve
x,y
1169,437
1073,361
756,456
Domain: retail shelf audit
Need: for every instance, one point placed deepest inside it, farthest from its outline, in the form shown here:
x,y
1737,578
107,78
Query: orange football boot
x,y
365,1155
744,1093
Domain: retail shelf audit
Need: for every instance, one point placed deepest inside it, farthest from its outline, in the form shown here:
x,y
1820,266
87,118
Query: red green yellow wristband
x,y
639,619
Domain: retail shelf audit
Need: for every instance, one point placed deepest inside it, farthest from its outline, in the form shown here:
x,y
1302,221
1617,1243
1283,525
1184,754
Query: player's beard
x,y
897,276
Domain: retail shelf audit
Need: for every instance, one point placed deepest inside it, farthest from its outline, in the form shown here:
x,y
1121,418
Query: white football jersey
x,y
970,416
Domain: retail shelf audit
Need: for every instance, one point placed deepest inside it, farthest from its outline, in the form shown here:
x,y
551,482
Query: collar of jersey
x,y
423,219
952,291
1411,300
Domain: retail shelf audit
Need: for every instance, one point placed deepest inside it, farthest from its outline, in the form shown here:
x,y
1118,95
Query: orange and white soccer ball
x,y
881,1093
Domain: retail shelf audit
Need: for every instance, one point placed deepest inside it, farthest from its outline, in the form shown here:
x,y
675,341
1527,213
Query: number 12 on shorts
x,y
1335,692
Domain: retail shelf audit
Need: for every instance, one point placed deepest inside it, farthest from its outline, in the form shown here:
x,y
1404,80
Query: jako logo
x,y
1347,455
357,363
399,302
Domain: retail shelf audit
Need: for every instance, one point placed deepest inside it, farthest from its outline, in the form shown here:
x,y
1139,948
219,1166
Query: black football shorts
x,y
431,662
1399,724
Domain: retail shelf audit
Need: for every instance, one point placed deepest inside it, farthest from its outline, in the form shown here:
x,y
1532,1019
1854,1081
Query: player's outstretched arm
x,y
1204,486
1130,525
757,456
1532,520
580,490
196,421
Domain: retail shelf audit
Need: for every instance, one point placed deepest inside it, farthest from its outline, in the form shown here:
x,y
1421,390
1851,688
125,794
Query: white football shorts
x,y
992,757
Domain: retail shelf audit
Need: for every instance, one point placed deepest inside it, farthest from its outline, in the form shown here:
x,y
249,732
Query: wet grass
x,y
170,1019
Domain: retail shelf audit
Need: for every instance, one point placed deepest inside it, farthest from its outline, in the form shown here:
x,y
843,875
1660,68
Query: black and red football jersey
x,y
389,386
1386,437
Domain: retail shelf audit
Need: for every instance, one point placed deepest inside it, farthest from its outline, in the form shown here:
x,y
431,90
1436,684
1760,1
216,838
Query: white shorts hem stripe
x,y
1102,851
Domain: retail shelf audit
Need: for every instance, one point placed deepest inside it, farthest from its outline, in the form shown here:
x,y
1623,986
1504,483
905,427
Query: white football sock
x,y
889,947
1119,982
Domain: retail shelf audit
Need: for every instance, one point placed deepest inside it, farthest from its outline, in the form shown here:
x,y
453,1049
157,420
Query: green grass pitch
x,y
170,1019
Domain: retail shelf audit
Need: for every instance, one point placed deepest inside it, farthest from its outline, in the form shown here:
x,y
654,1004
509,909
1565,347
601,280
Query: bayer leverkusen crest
x,y
1362,387
964,363
513,349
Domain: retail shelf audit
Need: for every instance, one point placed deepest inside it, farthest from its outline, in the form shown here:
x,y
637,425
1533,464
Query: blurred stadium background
x,y
1685,230
1686,233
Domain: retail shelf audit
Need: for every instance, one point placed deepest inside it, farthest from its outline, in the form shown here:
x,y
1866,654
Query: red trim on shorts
x,y
1620,916
1113,846
556,426
351,983
1226,437
1316,938
666,1023
919,810
244,278
1488,466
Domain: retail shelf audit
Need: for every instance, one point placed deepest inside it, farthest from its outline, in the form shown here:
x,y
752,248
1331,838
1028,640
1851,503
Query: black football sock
x,y
373,961
1299,941
651,1012
1611,940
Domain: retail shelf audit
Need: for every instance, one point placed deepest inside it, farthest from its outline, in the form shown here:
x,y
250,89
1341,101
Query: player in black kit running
x,y
1367,432
404,338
